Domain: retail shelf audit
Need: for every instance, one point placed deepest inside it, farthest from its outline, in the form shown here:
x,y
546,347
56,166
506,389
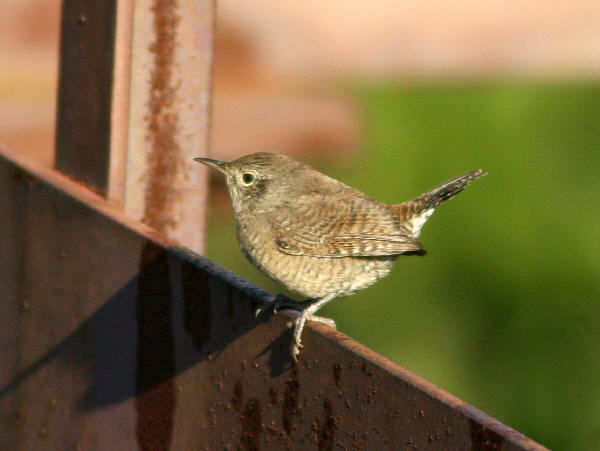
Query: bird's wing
x,y
350,226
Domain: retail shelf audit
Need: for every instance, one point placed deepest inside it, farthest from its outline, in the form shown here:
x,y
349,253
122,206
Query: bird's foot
x,y
282,302
306,308
296,342
296,350
298,325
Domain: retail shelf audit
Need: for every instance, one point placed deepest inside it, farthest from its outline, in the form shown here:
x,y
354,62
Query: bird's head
x,y
260,180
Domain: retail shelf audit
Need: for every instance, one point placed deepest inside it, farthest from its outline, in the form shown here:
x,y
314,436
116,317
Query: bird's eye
x,y
248,178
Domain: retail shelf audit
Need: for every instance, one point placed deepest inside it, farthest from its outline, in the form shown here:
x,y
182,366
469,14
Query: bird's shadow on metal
x,y
280,353
176,313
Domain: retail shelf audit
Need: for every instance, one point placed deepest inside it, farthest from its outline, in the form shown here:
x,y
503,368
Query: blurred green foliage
x,y
504,311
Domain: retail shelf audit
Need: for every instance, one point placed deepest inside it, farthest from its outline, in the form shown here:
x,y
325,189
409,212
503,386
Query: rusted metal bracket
x,y
133,107
113,339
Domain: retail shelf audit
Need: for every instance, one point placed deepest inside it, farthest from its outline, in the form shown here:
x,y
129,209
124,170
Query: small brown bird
x,y
317,236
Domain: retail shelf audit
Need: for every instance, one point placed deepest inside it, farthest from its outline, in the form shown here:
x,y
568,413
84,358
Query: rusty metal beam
x,y
83,122
169,116
133,107
113,339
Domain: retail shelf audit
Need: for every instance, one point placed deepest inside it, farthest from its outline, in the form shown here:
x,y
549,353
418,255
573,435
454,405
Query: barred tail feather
x,y
413,214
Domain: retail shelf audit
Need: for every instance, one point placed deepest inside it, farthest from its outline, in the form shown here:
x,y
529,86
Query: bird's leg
x,y
308,314
307,309
313,307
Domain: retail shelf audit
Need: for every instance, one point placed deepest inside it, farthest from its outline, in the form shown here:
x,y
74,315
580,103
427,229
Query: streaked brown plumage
x,y
317,236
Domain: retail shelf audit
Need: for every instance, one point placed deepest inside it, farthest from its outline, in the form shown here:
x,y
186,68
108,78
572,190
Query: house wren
x,y
317,236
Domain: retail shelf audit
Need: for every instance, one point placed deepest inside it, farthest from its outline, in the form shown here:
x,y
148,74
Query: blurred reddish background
x,y
281,66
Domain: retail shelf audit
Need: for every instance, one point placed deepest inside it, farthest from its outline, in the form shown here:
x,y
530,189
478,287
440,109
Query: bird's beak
x,y
220,166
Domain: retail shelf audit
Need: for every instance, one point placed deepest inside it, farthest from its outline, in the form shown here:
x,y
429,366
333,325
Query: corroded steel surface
x,y
112,339
169,116
133,107
83,119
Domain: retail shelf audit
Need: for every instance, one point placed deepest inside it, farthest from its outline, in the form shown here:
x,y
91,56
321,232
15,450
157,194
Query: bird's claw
x,y
279,302
296,346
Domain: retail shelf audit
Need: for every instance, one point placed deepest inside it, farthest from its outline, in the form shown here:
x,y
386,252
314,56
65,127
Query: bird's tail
x,y
414,213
